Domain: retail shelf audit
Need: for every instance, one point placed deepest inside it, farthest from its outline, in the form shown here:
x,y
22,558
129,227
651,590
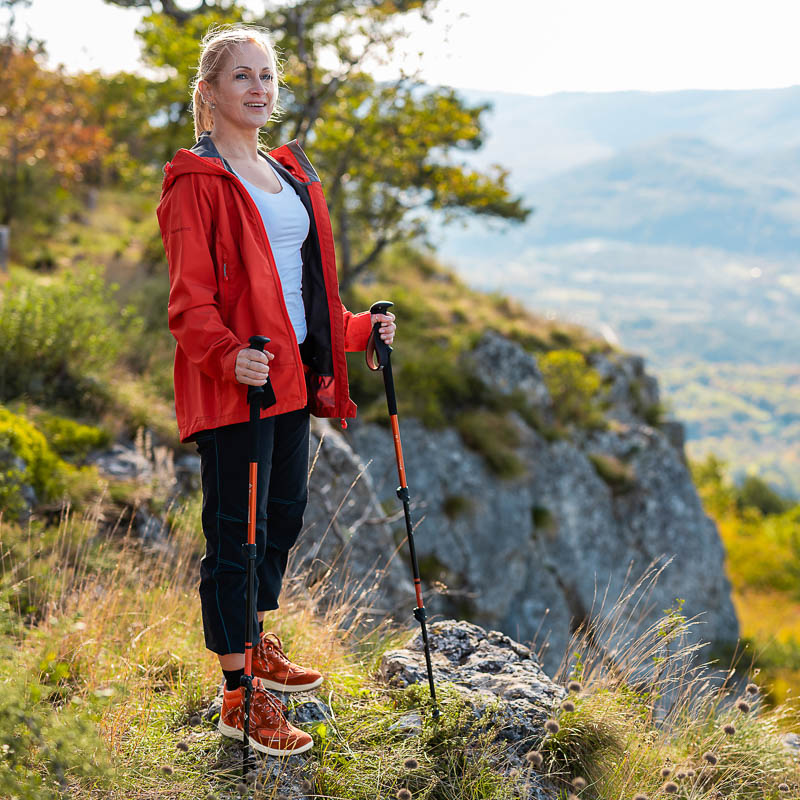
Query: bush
x,y
58,339
574,387
70,438
494,436
756,493
26,460
619,476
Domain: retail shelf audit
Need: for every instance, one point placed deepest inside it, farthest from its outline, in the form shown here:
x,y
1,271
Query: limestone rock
x,y
506,368
535,555
346,545
497,676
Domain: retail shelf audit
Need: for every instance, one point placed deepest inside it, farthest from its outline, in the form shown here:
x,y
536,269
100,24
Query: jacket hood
x,y
205,158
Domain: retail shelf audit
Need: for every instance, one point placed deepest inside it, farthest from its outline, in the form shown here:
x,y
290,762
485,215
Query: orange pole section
x,y
252,492
398,451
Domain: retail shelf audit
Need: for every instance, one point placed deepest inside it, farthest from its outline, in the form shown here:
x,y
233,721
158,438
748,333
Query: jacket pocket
x,y
321,394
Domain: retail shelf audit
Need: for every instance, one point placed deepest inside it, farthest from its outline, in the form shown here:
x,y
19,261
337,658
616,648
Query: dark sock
x,y
233,678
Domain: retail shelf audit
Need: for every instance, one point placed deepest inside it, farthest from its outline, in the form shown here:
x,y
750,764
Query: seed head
x,y
640,797
403,794
411,763
534,757
551,726
743,706
578,783
574,686
690,773
783,787
729,729
666,772
306,787
281,797
167,769
195,720
670,787
680,775
751,688
711,758
182,746
568,706
241,787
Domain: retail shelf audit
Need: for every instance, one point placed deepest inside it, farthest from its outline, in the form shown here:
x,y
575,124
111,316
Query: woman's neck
x,y
236,144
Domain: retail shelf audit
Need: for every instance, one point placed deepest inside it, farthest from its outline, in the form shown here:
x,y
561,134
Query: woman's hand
x,y
252,366
388,328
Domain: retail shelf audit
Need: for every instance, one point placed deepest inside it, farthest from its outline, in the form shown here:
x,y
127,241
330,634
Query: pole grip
x,y
378,351
265,393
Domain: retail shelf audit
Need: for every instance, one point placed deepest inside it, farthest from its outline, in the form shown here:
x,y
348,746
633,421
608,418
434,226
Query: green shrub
x,y
456,505
757,493
495,437
574,387
619,476
70,438
58,339
26,459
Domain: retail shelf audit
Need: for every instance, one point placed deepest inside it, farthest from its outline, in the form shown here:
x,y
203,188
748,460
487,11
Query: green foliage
x,y
69,438
44,750
574,387
363,750
495,437
384,151
456,505
26,460
619,476
58,339
543,520
756,493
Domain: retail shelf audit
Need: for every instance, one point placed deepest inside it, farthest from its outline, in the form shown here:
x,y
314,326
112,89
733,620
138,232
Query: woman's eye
x,y
266,76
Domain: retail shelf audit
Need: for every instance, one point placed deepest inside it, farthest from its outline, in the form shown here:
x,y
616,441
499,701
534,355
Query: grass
x,y
108,650
763,564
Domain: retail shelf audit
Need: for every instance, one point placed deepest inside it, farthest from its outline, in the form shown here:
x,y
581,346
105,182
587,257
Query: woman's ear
x,y
205,93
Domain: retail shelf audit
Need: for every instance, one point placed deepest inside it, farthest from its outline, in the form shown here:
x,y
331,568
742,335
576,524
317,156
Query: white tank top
x,y
286,224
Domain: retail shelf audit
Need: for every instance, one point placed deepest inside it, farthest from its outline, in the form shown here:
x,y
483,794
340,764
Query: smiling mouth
x,y
256,105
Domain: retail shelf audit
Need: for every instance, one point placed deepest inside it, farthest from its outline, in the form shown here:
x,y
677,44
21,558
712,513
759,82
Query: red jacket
x,y
224,288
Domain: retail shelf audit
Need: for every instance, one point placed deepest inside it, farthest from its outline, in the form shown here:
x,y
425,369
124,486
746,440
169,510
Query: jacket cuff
x,y
229,364
357,332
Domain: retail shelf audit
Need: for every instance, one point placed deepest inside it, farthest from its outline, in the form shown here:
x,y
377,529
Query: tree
x,y
387,153
45,142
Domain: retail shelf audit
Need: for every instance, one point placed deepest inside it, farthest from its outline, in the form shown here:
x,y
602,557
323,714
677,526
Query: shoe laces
x,y
273,643
267,701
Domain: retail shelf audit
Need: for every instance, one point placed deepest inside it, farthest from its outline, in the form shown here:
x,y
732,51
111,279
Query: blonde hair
x,y
217,44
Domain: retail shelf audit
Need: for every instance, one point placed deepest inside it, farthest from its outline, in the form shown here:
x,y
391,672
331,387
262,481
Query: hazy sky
x,y
531,46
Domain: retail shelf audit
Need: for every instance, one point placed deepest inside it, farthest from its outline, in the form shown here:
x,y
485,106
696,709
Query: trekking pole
x,y
258,397
376,346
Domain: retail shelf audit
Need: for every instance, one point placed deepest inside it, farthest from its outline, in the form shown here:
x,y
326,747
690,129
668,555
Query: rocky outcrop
x,y
485,667
536,555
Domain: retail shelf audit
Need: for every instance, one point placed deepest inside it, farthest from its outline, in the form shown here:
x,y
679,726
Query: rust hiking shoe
x,y
277,672
270,731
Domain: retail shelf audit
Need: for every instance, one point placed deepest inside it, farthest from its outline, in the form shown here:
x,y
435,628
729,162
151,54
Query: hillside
x,y
101,634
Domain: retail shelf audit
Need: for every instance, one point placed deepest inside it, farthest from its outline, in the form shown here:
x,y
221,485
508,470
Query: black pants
x,y
281,500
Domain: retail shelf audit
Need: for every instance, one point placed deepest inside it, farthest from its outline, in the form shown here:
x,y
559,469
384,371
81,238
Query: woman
x,y
248,241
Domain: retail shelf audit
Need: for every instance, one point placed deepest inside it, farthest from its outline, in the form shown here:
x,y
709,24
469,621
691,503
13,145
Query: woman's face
x,y
246,91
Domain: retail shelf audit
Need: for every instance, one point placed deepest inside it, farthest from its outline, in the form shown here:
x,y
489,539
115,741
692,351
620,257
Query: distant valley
x,y
670,223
